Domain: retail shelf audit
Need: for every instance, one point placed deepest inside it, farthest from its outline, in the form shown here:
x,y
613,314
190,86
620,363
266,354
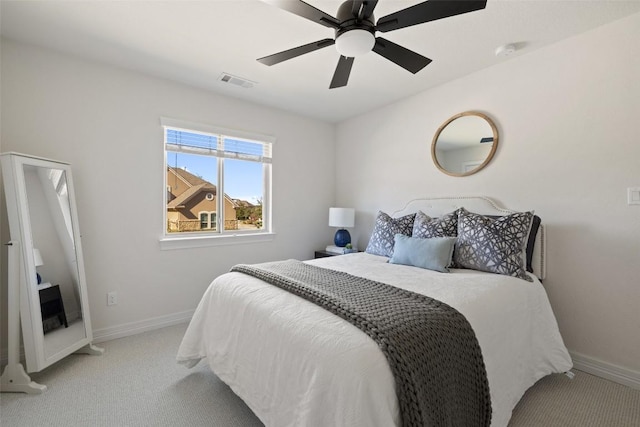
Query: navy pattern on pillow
x,y
382,237
425,227
492,245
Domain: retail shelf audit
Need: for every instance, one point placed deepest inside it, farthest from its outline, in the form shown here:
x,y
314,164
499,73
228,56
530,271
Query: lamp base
x,y
342,238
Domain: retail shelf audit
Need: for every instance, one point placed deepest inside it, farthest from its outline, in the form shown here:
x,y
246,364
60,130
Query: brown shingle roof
x,y
185,196
242,203
196,184
192,180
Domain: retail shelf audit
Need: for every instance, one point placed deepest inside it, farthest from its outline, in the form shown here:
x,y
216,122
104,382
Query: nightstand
x,y
324,254
51,305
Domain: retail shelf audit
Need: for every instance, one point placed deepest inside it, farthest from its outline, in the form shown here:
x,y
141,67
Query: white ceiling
x,y
193,42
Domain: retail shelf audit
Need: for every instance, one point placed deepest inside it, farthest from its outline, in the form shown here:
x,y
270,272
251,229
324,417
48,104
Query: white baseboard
x,y
133,328
606,370
124,330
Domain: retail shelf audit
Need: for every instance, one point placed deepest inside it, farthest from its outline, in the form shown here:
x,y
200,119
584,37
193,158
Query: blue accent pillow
x,y
434,253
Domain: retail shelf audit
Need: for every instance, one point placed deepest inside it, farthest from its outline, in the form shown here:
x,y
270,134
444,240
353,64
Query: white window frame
x,y
219,236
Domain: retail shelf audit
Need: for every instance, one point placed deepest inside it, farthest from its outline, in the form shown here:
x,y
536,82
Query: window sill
x,y
186,242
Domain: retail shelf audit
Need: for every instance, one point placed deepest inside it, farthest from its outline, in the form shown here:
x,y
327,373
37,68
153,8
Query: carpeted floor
x,y
138,383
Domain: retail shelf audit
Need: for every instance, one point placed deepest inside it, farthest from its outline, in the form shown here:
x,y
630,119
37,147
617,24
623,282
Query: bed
x,y
297,364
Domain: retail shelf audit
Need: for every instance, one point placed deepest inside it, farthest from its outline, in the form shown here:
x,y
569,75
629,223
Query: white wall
x,y
106,122
569,147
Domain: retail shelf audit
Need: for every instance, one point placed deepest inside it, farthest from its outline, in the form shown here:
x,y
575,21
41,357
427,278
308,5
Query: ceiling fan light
x,y
355,43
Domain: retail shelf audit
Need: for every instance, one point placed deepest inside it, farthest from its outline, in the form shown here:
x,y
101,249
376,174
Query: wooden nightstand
x,y
51,305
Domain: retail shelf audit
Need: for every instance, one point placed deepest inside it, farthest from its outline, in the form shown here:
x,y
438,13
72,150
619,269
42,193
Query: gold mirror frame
x,y
488,157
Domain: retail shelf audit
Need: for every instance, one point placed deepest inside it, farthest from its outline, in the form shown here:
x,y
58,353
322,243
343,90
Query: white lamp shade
x,y
341,217
355,43
37,257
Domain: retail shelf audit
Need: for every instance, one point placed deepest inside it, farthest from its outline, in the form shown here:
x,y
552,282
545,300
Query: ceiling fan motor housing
x,y
356,34
349,21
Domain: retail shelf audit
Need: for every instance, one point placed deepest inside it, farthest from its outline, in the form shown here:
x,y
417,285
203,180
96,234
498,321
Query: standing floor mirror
x,y
47,290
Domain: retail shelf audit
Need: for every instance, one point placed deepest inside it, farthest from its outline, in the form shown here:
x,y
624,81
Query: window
x,y
208,220
217,181
204,220
214,220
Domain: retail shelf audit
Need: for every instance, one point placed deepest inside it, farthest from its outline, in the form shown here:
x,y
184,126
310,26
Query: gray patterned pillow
x,y
425,227
382,238
496,246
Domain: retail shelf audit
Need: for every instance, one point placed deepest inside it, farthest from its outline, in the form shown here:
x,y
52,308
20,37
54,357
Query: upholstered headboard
x,y
437,206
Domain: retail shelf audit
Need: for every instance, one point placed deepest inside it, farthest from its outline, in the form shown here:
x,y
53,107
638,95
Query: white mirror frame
x,y
23,284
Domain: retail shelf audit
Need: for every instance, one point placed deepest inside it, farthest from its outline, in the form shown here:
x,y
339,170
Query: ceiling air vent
x,y
235,80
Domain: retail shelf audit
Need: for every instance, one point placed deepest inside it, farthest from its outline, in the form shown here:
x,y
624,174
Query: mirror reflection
x,y
464,144
57,276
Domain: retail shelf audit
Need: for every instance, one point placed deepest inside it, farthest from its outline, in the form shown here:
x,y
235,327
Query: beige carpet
x,y
137,383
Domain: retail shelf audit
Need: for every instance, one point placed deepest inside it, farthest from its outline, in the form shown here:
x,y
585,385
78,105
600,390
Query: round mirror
x,y
464,144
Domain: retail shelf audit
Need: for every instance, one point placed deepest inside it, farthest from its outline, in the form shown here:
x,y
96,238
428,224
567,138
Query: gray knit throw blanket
x,y
432,350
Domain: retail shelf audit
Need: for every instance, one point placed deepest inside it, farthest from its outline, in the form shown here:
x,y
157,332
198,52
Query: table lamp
x,y
341,218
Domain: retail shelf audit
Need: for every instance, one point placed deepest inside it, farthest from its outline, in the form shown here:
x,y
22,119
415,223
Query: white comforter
x,y
295,364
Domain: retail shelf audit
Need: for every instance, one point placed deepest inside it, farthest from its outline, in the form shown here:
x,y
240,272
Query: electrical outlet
x,y
112,298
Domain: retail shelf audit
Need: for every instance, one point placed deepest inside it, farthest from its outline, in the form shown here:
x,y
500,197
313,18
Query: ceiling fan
x,y
355,29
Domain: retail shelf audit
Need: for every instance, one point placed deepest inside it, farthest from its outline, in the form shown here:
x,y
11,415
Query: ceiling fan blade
x,y
407,59
341,76
430,10
296,51
305,10
363,9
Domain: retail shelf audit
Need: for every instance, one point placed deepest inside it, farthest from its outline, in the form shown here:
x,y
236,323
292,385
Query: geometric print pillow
x,y
382,237
493,245
531,241
425,227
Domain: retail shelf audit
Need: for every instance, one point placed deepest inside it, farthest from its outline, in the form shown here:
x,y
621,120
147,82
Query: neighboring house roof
x,y
191,179
184,197
196,185
243,203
